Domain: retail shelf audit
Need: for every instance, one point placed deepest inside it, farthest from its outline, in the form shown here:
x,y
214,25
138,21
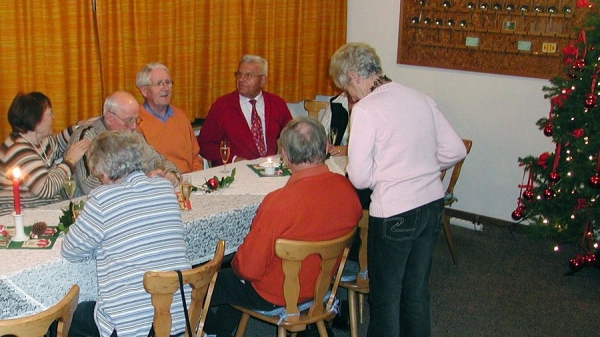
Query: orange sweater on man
x,y
174,139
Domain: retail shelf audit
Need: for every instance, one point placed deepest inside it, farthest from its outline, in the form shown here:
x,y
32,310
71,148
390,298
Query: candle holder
x,y
269,170
19,231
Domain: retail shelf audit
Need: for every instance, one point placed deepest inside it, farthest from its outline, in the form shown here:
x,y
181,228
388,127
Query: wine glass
x,y
225,150
69,185
186,189
332,136
77,208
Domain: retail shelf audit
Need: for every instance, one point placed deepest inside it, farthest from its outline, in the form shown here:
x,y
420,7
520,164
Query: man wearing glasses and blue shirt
x,y
250,118
166,127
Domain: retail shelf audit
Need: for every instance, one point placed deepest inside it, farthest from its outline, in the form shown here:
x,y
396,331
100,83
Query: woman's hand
x,y
336,151
76,151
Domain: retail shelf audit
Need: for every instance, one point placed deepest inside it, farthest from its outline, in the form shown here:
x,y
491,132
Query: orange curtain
x,y
78,52
50,46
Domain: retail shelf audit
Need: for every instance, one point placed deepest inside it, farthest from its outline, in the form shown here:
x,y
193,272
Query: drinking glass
x,y
186,189
332,136
225,150
77,208
69,185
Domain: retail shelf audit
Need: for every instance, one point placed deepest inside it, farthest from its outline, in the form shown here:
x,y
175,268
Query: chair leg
x,y
449,239
322,329
242,325
361,308
281,331
352,313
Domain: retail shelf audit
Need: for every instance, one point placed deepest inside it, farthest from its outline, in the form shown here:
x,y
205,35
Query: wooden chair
x,y
449,198
292,254
161,285
360,285
313,107
37,325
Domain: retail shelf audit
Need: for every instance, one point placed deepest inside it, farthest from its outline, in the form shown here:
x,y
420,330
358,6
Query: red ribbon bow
x,y
583,3
577,133
542,159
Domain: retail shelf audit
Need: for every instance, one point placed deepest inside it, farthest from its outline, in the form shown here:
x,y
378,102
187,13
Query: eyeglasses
x,y
129,121
161,84
246,76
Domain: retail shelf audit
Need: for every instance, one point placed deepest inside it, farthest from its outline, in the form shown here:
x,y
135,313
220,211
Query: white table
x,y
33,280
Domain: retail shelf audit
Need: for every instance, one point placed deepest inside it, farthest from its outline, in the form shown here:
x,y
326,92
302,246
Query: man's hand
x,y
170,176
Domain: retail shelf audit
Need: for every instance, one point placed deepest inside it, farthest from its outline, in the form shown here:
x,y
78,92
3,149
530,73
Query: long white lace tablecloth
x,y
33,280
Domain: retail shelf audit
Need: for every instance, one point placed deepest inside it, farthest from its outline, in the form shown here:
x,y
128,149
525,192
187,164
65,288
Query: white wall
x,y
497,112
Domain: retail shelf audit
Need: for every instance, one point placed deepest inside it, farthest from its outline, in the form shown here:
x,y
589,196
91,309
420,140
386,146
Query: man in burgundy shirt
x,y
230,116
314,205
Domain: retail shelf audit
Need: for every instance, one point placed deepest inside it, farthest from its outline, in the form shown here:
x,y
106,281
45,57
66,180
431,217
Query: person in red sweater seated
x,y
165,126
315,204
230,116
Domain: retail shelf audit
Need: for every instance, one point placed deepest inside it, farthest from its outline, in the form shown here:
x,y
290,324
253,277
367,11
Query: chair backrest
x,y
293,253
161,285
313,107
37,325
455,174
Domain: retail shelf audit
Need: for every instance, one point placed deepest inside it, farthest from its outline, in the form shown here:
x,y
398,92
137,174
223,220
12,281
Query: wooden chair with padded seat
x,y
292,253
37,325
161,285
313,107
359,287
449,198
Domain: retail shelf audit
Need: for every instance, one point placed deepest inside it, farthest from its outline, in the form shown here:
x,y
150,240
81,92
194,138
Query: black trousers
x,y
223,319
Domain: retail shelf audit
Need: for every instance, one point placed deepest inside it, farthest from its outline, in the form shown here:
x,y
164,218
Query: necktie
x,y
257,131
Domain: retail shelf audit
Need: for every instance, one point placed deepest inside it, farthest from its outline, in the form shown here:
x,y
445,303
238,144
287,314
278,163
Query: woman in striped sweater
x,y
41,156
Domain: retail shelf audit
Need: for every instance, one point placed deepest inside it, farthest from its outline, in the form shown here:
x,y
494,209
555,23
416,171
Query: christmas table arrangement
x,y
214,183
270,168
40,237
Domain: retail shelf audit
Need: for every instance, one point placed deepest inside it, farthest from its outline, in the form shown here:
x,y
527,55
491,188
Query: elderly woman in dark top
x,y
40,155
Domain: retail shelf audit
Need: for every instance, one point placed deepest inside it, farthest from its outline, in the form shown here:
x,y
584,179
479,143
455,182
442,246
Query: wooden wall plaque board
x,y
509,37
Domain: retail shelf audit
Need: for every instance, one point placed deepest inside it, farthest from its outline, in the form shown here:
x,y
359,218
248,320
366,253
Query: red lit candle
x,y
16,193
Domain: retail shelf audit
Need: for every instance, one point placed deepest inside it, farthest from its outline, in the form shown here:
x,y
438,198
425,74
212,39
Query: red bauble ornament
x,y
517,214
590,101
595,181
577,263
548,193
548,130
528,194
590,259
554,177
213,183
578,64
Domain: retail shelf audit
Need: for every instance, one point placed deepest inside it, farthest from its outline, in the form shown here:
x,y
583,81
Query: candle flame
x,y
16,173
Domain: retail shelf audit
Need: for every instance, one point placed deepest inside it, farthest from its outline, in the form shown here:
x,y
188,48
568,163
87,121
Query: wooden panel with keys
x,y
510,37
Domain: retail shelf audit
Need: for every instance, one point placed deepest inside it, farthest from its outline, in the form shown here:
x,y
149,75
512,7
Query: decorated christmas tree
x,y
560,194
